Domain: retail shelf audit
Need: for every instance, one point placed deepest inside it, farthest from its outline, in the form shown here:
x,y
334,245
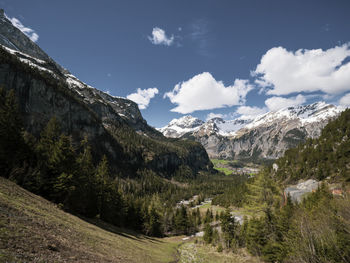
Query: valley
x,y
85,178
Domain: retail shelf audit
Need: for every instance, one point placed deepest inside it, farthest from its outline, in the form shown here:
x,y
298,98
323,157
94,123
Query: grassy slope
x,y
35,230
191,252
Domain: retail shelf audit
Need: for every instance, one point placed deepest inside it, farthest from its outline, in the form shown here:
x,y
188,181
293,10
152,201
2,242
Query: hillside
x,y
113,125
325,157
35,230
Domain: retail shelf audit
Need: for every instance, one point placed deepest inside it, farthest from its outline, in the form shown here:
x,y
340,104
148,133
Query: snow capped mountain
x,y
316,112
188,124
178,127
222,127
267,136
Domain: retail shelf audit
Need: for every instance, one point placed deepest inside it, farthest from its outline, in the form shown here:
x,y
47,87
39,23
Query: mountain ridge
x,y
266,136
113,125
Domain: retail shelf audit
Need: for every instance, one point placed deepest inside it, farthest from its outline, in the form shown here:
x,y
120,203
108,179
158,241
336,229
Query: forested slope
x,y
327,156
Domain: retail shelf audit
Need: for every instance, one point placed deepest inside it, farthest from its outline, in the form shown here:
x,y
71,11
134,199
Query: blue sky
x,y
200,57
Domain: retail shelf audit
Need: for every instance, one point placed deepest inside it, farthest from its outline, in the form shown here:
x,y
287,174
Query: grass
x,y
200,253
214,208
35,230
221,166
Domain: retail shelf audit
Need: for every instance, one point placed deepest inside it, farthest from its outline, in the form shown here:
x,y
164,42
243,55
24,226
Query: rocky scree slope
x,y
267,136
114,126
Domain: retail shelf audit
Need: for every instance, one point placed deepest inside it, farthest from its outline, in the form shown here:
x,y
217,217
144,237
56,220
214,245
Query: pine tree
x,y
102,177
228,228
262,192
208,233
11,140
85,182
181,220
256,236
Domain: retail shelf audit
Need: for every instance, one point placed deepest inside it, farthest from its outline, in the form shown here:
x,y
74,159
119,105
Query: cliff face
x,y
113,125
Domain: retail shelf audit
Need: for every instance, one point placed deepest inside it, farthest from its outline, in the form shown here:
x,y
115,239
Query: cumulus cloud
x,y
26,30
160,38
203,92
345,100
212,115
143,97
276,103
248,112
283,72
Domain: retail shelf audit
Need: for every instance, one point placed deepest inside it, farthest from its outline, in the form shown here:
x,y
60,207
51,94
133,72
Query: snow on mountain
x,y
305,114
178,127
222,127
267,136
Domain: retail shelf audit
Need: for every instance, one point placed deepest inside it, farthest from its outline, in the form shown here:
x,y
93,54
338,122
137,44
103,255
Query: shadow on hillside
x,y
128,233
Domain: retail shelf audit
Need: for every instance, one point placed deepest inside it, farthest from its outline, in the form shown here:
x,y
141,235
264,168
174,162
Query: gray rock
x,y
299,191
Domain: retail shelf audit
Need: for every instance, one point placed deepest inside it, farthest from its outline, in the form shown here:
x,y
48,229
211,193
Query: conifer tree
x,y
102,177
228,228
208,233
11,139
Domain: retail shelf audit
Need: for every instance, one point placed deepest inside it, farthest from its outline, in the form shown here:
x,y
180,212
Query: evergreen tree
x,y
256,236
263,192
181,220
228,228
208,233
86,185
11,139
102,179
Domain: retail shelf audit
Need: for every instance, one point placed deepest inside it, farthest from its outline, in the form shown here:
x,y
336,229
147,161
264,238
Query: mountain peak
x,y
186,121
216,120
14,38
178,127
266,136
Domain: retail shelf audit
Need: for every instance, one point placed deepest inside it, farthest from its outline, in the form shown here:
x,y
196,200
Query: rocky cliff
x,y
113,125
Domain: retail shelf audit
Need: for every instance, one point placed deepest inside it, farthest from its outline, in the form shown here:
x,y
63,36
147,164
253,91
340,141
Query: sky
x,y
205,58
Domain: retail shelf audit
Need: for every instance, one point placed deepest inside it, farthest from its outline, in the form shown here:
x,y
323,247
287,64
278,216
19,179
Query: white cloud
x,y
143,96
283,72
276,103
212,115
203,92
26,30
160,38
248,112
345,100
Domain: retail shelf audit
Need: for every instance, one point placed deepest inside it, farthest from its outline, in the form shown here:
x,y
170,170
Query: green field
x,y
219,165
